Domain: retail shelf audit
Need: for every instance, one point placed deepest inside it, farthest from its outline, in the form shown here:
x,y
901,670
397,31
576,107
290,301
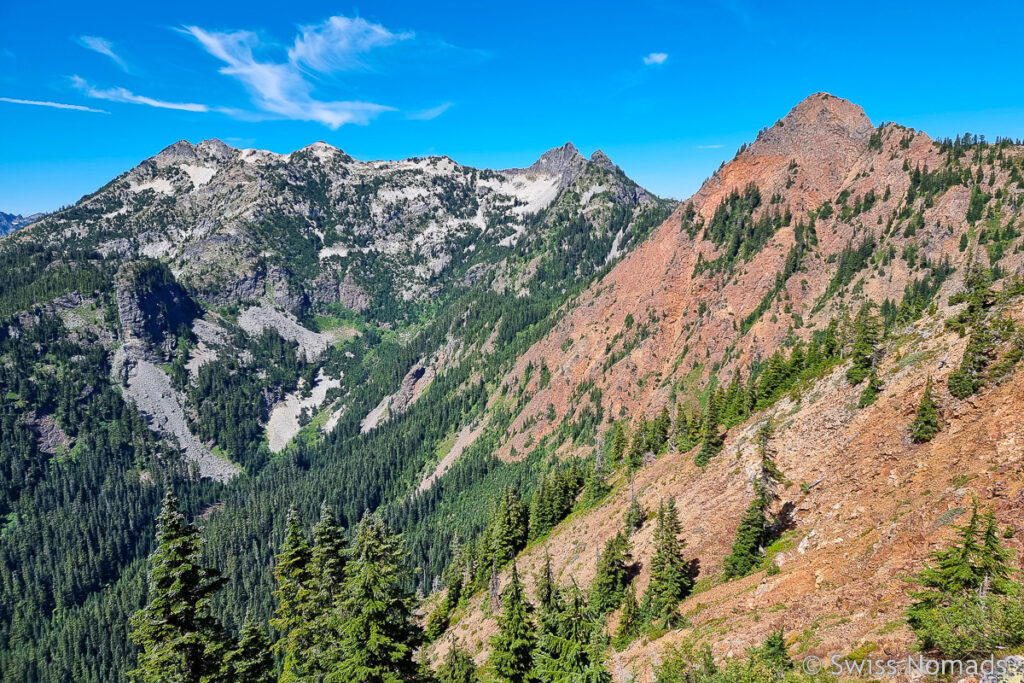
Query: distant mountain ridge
x,y
9,222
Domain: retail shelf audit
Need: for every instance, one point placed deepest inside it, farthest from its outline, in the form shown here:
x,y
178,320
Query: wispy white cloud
x,y
280,88
104,47
336,44
432,113
655,58
128,97
708,146
55,105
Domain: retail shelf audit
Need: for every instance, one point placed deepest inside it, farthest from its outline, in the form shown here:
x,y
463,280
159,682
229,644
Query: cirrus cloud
x,y
54,105
281,87
655,58
104,47
126,96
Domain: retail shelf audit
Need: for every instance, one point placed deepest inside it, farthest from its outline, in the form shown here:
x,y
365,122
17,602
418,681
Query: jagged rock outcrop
x,y
152,308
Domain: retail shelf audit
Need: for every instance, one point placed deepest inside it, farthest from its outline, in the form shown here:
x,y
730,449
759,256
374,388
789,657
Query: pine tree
x,y
659,431
968,603
745,555
993,559
926,422
511,526
867,329
773,652
670,572
871,389
295,591
327,560
635,516
612,575
681,427
713,438
511,659
252,660
596,487
967,566
546,588
376,614
180,640
570,648
692,435
326,582
620,440
458,667
754,528
635,457
438,621
630,623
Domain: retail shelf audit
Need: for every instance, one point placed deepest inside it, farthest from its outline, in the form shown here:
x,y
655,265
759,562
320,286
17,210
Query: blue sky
x,y
667,90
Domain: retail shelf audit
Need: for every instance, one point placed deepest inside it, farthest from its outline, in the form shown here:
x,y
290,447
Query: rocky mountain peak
x,y
215,148
182,150
820,124
602,160
557,160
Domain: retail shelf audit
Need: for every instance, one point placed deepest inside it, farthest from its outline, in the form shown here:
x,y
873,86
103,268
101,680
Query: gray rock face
x,y
566,162
602,160
51,439
317,227
152,313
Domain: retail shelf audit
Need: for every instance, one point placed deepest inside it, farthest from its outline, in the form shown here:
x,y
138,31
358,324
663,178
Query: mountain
x,y
9,222
436,342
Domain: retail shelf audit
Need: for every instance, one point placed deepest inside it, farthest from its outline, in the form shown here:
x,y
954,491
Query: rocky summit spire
x,y
565,161
602,160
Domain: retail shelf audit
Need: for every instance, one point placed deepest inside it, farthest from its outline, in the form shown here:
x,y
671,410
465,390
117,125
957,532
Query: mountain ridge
x,y
419,337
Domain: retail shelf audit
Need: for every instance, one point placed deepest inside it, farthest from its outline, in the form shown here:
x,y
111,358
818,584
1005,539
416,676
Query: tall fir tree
x,y
635,513
612,575
293,619
670,571
252,660
867,330
619,442
713,437
569,648
630,620
635,457
871,389
376,615
179,638
754,529
511,659
326,582
511,526
457,667
926,421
